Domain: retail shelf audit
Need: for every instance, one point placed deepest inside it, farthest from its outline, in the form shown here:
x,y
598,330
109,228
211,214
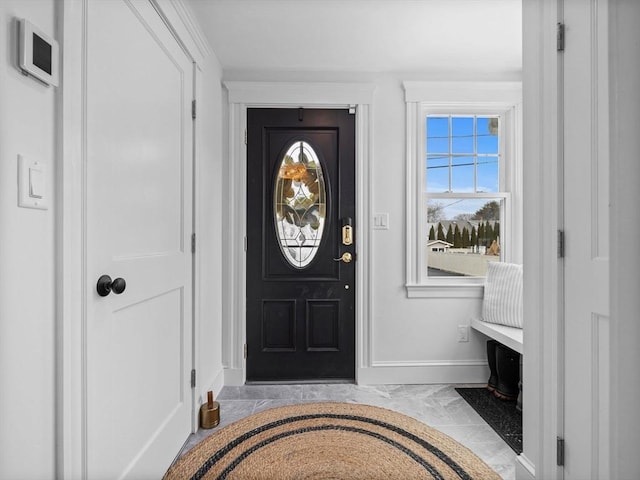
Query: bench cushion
x,y
502,302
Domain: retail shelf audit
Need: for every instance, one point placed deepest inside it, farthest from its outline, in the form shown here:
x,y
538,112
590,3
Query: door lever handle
x,y
346,258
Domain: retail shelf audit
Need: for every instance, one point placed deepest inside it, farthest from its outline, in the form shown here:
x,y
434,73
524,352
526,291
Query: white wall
x,y
27,261
409,335
413,340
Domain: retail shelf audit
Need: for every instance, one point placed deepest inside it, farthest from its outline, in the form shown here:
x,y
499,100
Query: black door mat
x,y
501,415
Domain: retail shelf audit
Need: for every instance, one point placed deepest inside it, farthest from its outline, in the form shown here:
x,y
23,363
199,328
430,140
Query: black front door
x,y
301,229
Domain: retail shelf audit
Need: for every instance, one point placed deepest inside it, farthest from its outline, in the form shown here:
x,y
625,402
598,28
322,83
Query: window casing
x,y
467,162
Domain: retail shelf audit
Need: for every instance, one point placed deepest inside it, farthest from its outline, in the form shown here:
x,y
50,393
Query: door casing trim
x,y
243,95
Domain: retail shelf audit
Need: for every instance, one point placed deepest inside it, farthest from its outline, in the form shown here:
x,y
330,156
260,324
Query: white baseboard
x,y
468,372
524,468
233,377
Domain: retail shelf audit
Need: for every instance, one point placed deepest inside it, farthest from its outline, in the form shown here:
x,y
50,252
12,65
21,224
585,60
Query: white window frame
x,y
461,98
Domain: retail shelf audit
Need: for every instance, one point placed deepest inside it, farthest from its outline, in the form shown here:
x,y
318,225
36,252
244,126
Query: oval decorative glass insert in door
x,y
300,204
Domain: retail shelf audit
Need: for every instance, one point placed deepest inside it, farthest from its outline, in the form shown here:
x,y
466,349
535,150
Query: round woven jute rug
x,y
329,441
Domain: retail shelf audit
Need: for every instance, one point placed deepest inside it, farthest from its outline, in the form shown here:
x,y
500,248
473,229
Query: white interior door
x,y
139,222
586,204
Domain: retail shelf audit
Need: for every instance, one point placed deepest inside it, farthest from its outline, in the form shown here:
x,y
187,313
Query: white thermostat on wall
x,y
38,54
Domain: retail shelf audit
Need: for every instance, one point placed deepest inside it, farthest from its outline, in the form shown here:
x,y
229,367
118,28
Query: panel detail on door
x,y
147,161
154,323
279,326
323,320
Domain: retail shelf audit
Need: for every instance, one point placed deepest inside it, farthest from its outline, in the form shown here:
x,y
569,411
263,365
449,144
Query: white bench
x,y
509,336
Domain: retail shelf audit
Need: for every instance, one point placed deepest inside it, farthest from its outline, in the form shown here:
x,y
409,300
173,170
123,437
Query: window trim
x,y
451,98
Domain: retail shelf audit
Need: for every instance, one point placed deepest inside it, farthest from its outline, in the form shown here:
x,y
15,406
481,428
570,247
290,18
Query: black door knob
x,y
105,285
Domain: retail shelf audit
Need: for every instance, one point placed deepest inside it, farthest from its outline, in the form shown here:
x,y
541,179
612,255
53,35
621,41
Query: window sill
x,y
445,291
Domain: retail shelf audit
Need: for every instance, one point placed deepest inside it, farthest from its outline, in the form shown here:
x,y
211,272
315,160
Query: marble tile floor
x,y
438,406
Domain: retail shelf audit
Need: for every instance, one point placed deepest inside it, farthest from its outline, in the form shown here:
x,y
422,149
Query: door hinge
x,y
193,243
560,37
193,109
561,244
245,137
245,351
193,378
245,244
560,451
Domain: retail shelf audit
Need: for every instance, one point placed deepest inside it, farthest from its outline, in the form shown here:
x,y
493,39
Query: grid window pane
x,y
488,174
462,174
463,236
438,174
487,128
462,134
438,135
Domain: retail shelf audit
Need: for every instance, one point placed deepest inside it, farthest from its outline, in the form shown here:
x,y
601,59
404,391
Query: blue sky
x,y
462,153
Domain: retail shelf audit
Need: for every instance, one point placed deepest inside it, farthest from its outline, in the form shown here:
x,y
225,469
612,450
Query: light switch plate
x,y
381,221
463,333
32,184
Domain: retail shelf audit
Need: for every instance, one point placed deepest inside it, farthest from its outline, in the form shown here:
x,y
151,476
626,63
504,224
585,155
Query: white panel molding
x,y
599,130
243,95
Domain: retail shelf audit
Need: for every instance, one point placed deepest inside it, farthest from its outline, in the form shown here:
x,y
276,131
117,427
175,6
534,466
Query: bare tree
x,y
435,212
463,217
